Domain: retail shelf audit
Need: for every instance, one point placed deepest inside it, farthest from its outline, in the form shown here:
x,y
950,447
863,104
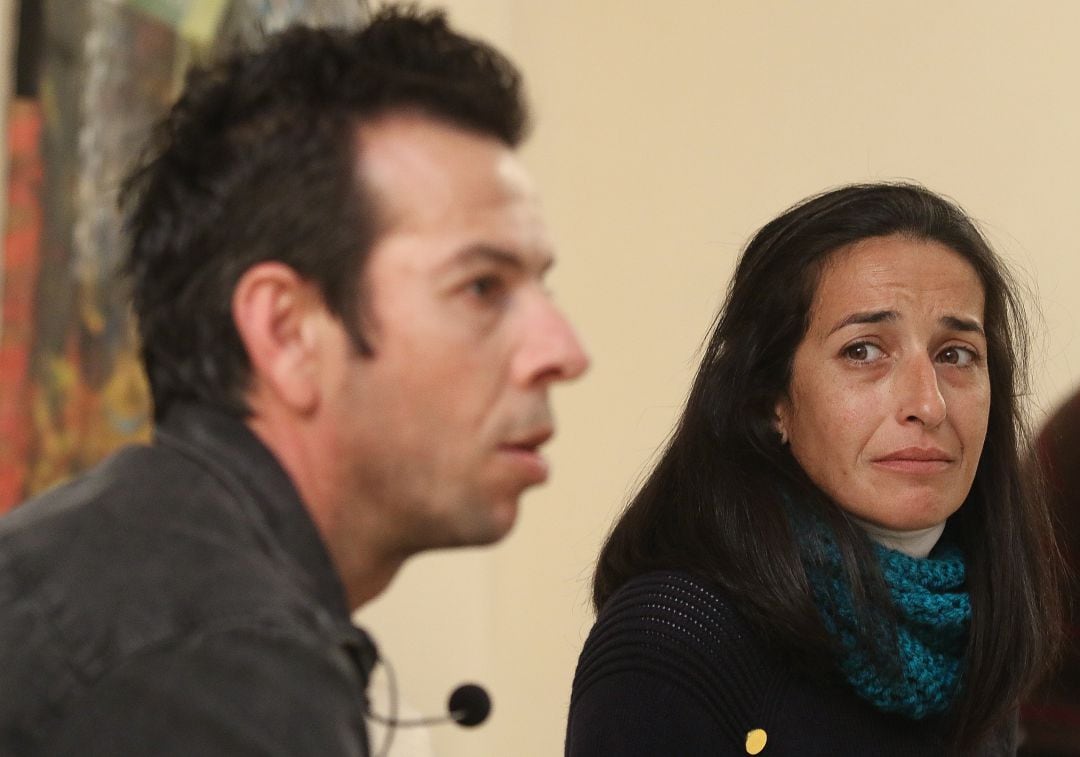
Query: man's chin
x,y
487,527
499,523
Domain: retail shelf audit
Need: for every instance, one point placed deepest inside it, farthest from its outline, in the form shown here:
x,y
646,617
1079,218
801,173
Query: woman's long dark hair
x,y
712,505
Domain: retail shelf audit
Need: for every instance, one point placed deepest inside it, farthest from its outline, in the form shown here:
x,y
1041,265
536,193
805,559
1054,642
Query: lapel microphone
x,y
468,705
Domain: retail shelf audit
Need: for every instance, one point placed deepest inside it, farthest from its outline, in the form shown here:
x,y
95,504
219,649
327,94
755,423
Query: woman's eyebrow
x,y
957,323
954,322
870,316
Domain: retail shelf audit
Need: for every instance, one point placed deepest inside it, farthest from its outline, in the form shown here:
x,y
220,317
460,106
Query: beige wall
x,y
667,133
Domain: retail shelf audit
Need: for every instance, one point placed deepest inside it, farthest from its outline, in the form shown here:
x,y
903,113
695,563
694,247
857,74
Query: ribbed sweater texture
x,y
671,668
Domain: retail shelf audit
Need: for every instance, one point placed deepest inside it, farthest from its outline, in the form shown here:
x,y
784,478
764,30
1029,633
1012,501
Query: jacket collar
x,y
225,446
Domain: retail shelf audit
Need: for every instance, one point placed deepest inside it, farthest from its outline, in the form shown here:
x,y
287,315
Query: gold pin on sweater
x,y
755,740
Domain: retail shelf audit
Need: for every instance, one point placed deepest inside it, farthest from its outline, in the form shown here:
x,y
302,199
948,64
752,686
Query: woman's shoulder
x,y
669,662
669,607
677,627
672,667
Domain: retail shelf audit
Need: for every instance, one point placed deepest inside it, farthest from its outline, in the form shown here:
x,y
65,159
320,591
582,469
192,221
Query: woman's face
x,y
889,396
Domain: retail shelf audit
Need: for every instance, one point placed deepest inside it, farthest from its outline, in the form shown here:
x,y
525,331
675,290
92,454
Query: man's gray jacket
x,y
177,600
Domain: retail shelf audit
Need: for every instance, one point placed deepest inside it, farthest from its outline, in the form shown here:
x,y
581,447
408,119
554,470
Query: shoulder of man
x,y
107,583
238,691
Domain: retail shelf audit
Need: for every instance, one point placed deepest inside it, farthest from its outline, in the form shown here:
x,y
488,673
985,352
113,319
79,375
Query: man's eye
x,y
862,352
486,287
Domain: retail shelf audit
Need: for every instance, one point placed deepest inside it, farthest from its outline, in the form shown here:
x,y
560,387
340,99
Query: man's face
x,y
441,427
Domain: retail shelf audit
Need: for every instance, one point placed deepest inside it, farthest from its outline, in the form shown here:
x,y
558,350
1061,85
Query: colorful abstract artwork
x,y
71,385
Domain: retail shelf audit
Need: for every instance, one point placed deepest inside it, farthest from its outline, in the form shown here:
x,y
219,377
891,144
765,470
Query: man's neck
x,y
363,567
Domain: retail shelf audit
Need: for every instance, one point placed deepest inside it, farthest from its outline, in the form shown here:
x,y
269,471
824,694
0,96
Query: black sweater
x,y
671,668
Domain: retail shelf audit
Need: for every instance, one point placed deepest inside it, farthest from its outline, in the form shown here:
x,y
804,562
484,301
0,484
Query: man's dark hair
x,y
258,161
714,505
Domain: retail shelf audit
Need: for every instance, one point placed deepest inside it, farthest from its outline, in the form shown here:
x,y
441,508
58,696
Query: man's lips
x,y
916,460
531,440
524,453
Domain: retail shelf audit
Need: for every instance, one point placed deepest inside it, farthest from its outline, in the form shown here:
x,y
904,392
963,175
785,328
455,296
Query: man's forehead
x,y
431,179
410,158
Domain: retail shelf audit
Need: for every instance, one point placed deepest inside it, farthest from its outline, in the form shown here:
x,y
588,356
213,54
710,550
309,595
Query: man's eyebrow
x,y
870,316
483,252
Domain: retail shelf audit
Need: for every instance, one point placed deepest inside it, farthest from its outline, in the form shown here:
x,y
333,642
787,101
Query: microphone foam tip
x,y
469,705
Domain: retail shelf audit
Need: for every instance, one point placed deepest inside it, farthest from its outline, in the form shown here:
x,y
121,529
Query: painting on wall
x,y
92,78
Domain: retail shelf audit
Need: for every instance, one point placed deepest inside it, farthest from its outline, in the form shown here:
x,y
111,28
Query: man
x,y
337,265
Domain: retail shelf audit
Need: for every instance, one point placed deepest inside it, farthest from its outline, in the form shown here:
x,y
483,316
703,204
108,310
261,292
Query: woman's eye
x,y
862,352
960,356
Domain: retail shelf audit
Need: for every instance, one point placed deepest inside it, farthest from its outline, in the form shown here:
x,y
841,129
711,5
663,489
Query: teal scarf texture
x,y
933,612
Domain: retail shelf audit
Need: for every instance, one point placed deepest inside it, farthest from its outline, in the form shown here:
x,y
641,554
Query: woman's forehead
x,y
896,276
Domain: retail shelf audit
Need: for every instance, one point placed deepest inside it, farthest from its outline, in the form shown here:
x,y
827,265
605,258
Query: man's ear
x,y
277,315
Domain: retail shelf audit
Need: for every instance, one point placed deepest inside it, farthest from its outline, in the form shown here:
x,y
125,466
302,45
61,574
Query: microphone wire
x,y
391,720
469,706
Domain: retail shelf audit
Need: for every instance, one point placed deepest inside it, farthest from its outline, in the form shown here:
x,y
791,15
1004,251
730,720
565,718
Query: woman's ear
x,y
781,413
276,313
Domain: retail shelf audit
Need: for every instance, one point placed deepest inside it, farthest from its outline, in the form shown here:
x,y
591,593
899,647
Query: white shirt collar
x,y
916,543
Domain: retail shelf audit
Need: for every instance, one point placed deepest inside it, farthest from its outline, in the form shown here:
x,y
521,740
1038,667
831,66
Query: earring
x,y
778,425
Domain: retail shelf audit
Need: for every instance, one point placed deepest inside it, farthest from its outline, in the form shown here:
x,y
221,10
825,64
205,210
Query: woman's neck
x,y
916,543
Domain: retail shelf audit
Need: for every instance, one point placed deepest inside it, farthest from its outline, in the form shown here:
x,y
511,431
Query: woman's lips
x,y
920,460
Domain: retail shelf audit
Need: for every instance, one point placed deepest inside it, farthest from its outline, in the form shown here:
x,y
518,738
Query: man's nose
x,y
551,350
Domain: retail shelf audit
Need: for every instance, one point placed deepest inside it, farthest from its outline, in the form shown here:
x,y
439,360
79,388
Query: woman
x,y
838,552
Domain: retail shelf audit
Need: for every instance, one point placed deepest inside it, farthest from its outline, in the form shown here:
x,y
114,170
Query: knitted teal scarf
x,y
932,616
